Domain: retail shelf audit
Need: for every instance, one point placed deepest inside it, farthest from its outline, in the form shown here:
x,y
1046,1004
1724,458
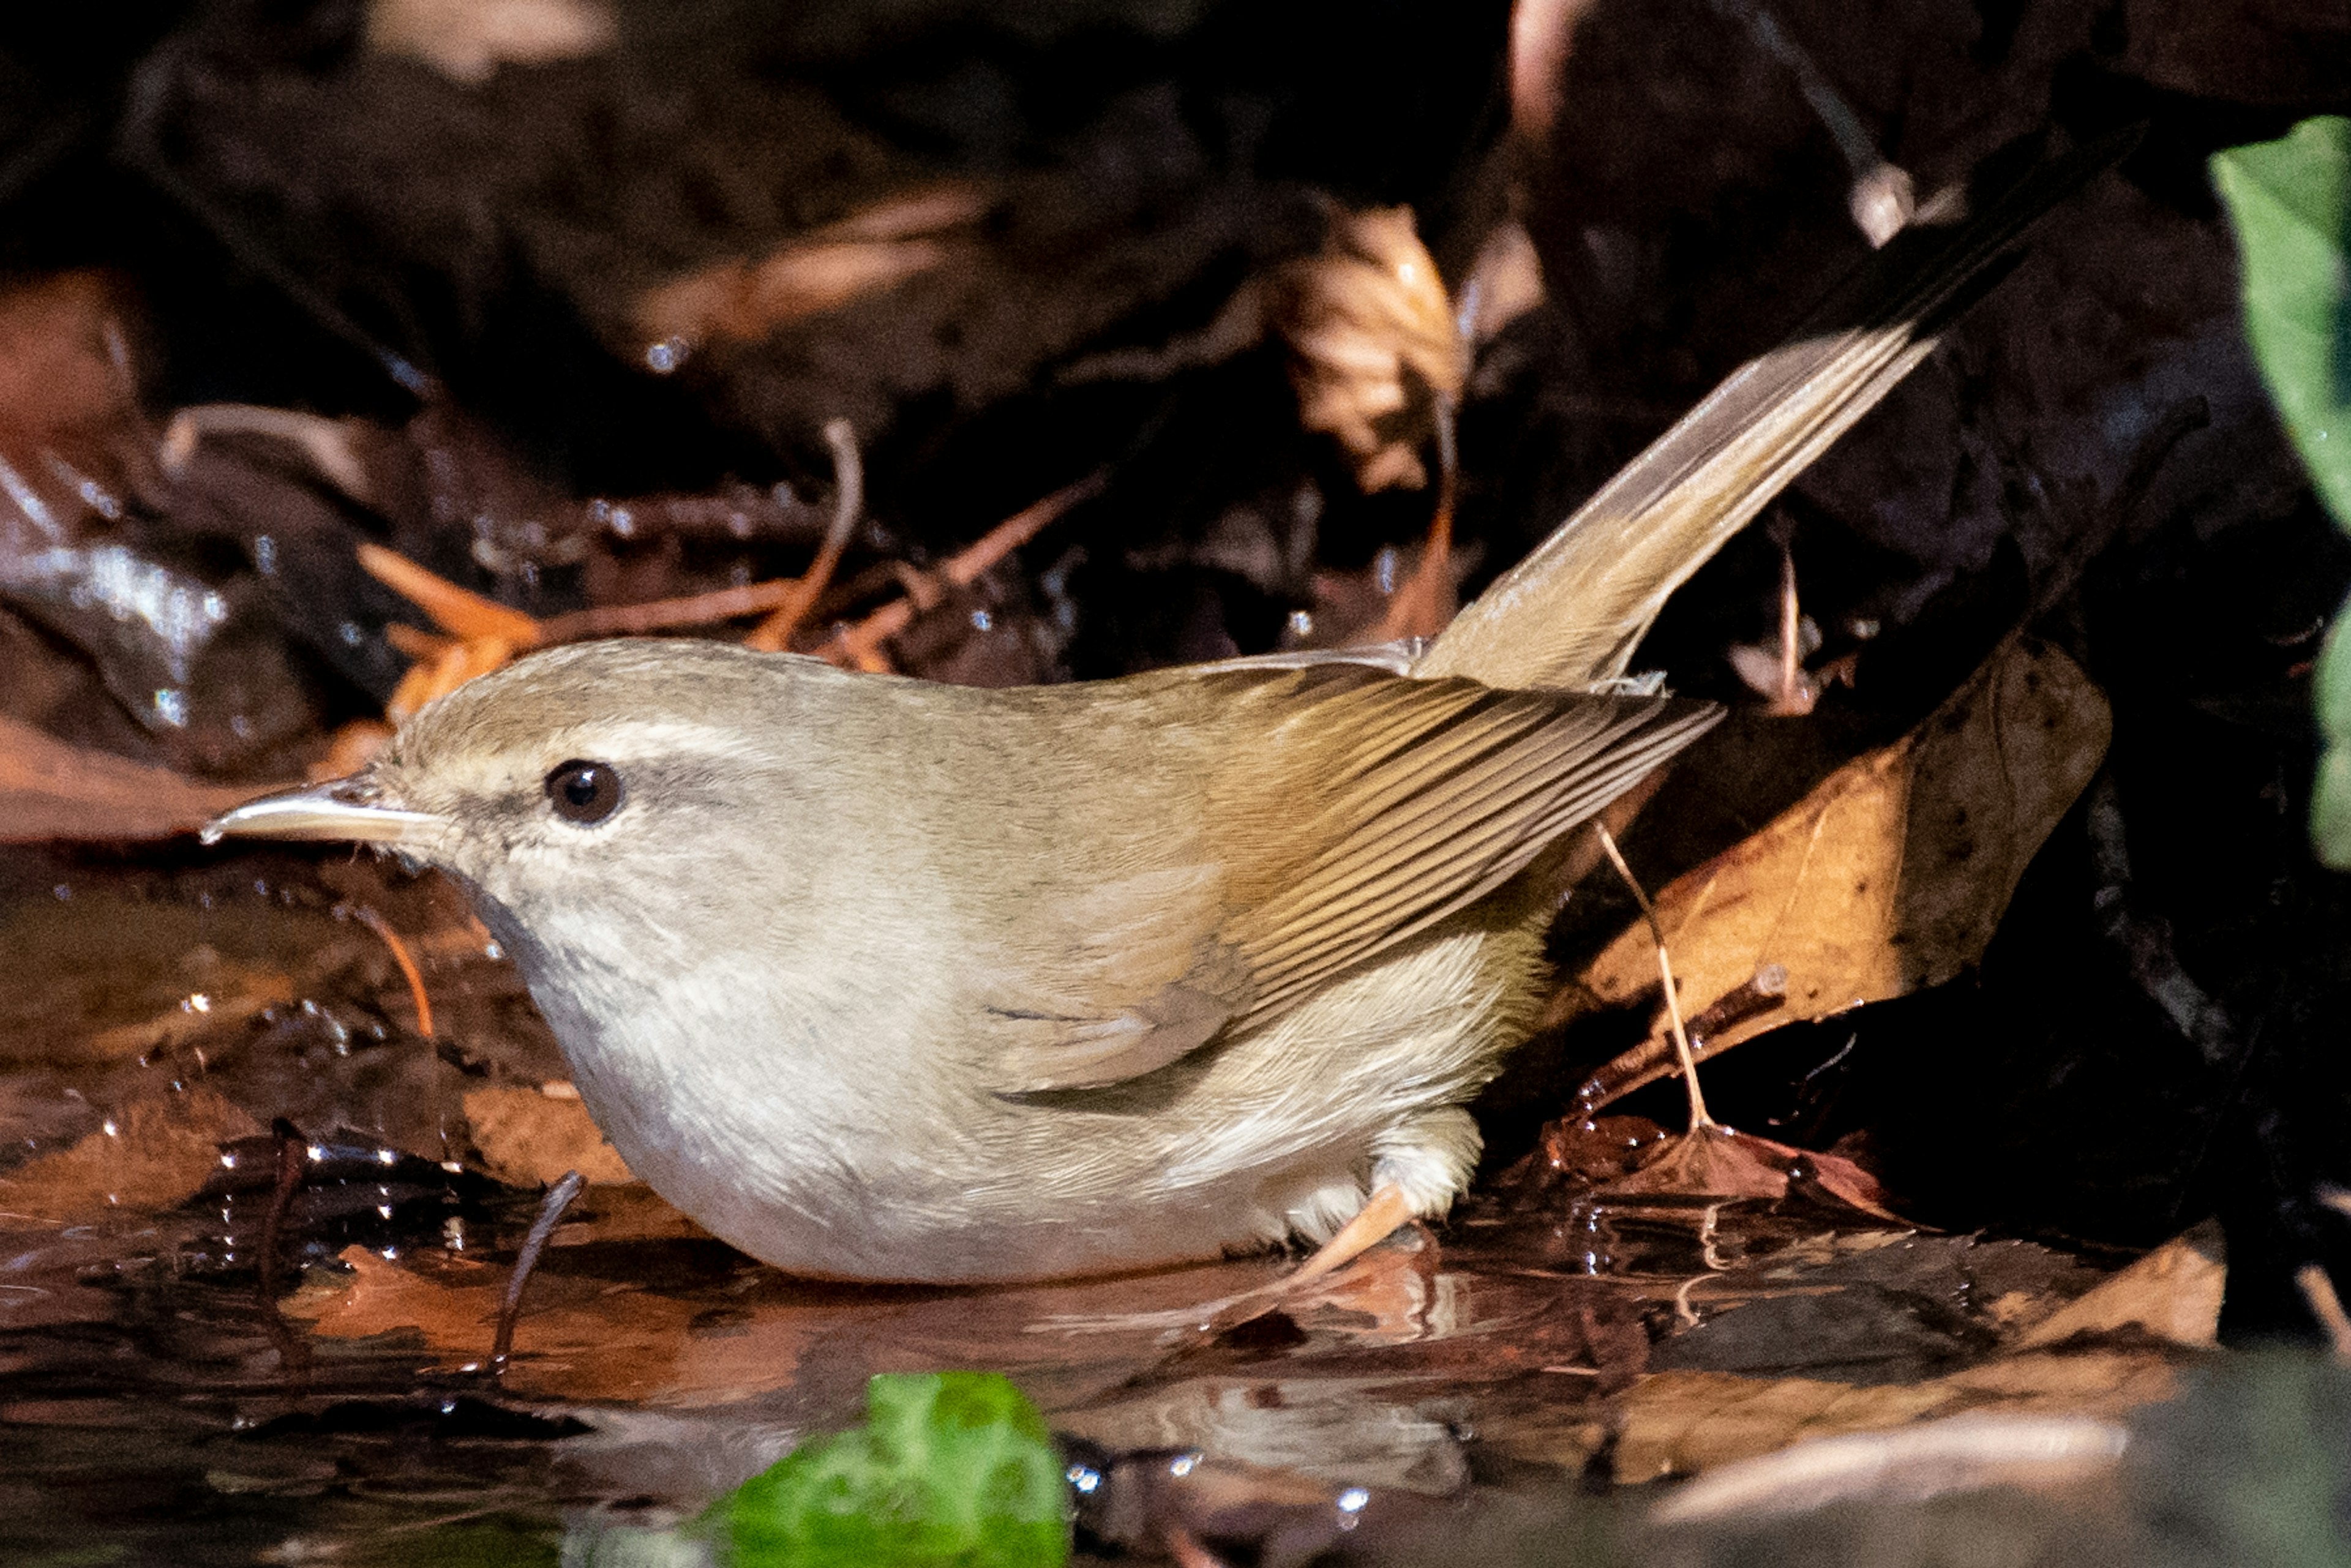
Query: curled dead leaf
x,y
1890,876
1375,349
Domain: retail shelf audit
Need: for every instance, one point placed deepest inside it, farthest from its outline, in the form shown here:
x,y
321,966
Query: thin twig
x,y
400,955
1700,1120
775,633
550,1212
2319,1292
1422,605
291,1149
859,646
669,614
460,611
1791,627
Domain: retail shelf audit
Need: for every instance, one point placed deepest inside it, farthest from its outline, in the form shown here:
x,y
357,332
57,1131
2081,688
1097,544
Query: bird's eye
x,y
584,792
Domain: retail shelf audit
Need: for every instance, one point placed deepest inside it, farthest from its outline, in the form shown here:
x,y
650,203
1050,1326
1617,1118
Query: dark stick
x,y
292,1353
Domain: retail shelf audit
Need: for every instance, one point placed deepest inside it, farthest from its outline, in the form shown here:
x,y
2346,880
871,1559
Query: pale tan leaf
x,y
1890,876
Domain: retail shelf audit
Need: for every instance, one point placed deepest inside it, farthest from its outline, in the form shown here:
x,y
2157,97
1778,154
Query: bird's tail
x,y
1571,613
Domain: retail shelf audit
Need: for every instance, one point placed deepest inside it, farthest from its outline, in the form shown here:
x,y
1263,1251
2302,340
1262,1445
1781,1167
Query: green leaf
x,y
2290,201
950,1468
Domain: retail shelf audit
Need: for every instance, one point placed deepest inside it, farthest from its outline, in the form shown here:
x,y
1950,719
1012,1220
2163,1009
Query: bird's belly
x,y
870,1177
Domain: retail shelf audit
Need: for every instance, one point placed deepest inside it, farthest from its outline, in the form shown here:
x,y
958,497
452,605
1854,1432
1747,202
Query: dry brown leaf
x,y
232,993
1681,1422
49,789
1714,1161
1373,344
577,1338
2173,1293
529,1138
66,377
1891,875
151,1154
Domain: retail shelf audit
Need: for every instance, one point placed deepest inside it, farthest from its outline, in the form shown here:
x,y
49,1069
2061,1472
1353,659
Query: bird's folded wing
x,y
1415,798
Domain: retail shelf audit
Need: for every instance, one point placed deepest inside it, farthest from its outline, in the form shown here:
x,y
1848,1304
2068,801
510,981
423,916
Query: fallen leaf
x,y
870,252
1714,1161
49,789
1374,345
578,1337
529,1138
1890,876
151,1154
2174,1293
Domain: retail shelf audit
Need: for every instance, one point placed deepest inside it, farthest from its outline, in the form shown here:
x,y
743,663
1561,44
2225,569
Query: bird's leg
x,y
1387,1210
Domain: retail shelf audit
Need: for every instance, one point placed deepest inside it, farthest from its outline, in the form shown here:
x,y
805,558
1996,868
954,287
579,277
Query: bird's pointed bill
x,y
321,812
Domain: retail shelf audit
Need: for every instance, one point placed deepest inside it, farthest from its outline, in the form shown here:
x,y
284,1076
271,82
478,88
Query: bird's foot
x,y
1387,1210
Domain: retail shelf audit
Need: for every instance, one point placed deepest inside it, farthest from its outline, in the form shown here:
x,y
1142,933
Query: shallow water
x,y
182,1381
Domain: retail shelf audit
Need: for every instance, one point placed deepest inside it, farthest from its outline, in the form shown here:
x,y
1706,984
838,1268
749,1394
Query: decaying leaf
x,y
2173,1293
2153,1316
149,1155
49,789
1376,351
529,1137
1714,1161
576,1338
1890,876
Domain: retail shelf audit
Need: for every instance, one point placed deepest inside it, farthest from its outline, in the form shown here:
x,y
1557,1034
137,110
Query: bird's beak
x,y
323,811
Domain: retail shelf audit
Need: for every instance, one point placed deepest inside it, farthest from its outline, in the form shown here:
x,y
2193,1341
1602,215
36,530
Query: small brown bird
x,y
880,979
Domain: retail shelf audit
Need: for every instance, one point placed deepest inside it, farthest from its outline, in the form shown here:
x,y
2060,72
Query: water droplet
x,y
171,706
1384,569
109,1128
265,555
350,634
981,621
1084,1479
1301,623
665,356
